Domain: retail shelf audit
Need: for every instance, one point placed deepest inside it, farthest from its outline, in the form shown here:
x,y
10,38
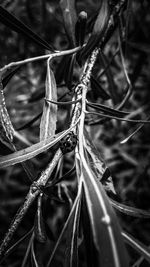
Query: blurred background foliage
x,y
128,162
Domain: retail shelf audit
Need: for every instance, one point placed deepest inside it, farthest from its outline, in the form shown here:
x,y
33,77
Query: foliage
x,y
74,142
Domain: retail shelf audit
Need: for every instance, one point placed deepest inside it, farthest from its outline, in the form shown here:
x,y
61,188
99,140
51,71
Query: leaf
x,y
137,245
28,124
131,211
106,233
8,75
39,226
70,18
31,151
14,246
110,78
68,72
90,252
98,165
49,117
95,160
108,110
98,90
27,253
16,25
34,260
4,117
68,235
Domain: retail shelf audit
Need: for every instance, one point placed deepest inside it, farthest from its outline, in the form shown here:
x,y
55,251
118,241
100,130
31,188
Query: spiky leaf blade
x,y
31,151
49,117
105,229
69,237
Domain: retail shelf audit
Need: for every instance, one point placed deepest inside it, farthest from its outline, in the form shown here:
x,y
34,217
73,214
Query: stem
x,y
57,54
34,191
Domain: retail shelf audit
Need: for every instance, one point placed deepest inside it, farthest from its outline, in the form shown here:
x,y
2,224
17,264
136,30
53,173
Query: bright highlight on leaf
x,y
49,117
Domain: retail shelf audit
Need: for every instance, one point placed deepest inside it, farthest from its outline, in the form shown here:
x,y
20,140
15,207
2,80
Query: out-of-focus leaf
x,y
31,151
64,177
108,110
36,11
139,213
28,124
98,90
70,18
4,116
110,78
13,247
69,235
80,28
16,25
140,46
27,253
106,233
49,117
39,226
68,75
8,75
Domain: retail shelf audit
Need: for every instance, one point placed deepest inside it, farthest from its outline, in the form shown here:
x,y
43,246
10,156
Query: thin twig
x,y
57,54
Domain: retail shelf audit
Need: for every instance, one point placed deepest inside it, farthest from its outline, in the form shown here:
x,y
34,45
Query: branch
x,y
34,191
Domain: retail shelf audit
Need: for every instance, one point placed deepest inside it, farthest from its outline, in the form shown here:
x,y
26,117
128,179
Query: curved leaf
x,y
98,89
106,233
139,213
49,117
31,151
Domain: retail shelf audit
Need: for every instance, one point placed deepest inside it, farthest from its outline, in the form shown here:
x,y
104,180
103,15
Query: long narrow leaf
x,y
16,25
8,75
67,229
98,165
98,89
14,246
31,151
105,228
4,116
108,110
49,117
137,245
70,18
139,213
